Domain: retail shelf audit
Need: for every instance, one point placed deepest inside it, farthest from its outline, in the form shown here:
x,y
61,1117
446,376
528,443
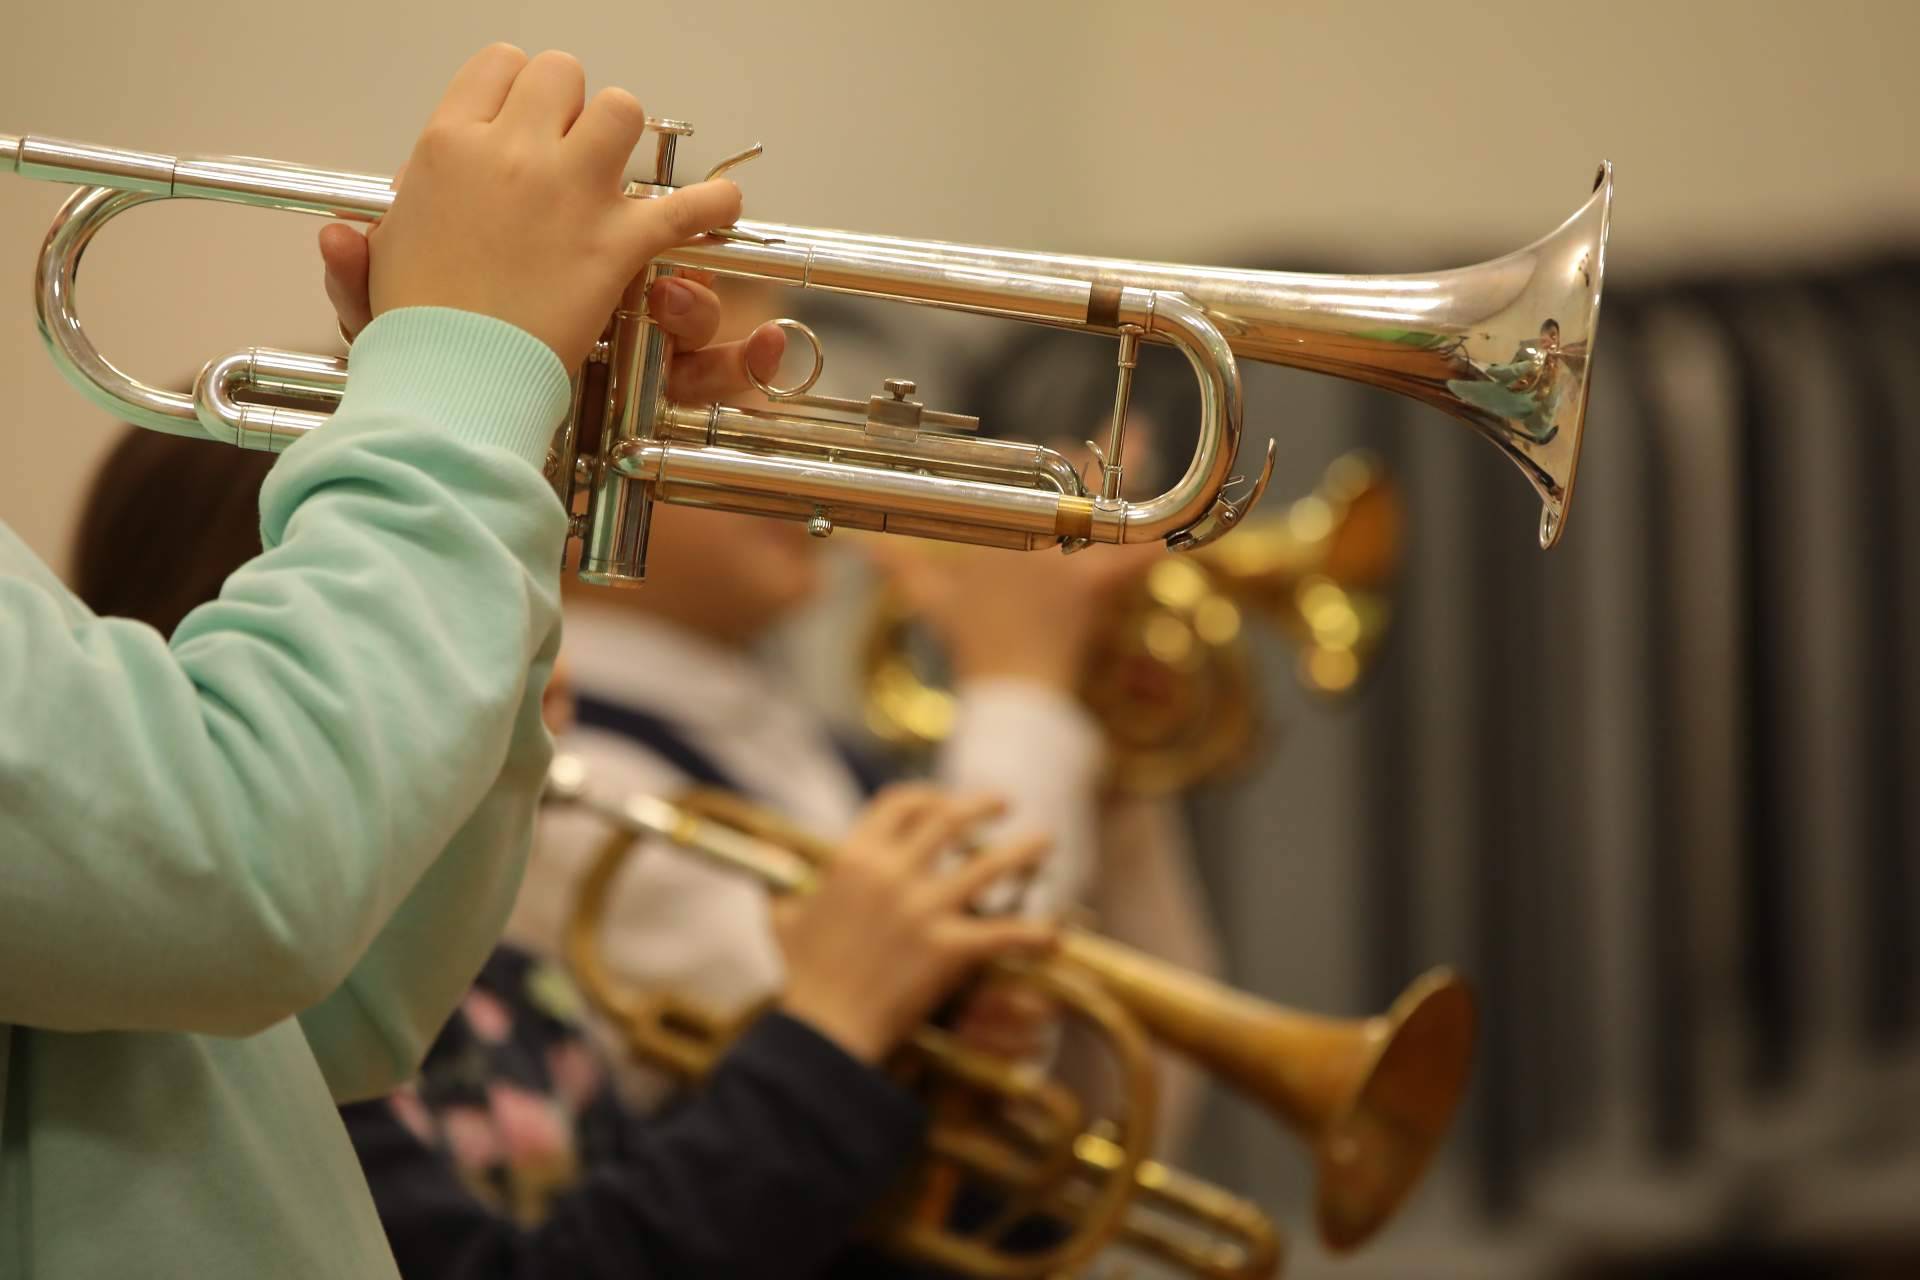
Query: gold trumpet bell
x,y
1386,1089
1172,681
1322,572
1372,1098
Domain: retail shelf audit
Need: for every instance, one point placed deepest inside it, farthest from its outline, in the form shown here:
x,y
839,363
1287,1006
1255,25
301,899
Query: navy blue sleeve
x,y
766,1170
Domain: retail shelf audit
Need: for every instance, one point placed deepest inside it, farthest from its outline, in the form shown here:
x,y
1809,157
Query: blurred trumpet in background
x,y
1371,1098
1172,679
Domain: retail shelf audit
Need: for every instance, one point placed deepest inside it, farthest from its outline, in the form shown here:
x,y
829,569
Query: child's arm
x,y
767,1166
208,837
768,1169
212,837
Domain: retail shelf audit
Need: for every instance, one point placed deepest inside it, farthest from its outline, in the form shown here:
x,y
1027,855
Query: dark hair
x,y
166,521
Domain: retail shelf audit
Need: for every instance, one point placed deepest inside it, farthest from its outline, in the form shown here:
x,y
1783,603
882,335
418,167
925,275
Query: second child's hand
x,y
890,931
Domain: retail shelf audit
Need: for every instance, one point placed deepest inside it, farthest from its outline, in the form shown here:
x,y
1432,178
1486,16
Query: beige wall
x,y
1399,130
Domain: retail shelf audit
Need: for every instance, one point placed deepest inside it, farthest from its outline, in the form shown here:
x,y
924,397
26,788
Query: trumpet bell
x,y
1413,1069
1372,1098
1504,346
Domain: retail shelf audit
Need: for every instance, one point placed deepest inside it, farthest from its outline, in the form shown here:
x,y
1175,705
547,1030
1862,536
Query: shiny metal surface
x,y
1372,1097
1504,346
1198,1227
1021,1161
613,546
265,371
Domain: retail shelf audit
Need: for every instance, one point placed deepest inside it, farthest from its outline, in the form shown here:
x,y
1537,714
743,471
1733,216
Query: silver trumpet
x,y
1503,346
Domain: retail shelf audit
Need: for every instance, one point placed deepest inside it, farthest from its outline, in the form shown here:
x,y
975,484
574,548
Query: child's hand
x,y
513,207
686,309
888,933
1008,1019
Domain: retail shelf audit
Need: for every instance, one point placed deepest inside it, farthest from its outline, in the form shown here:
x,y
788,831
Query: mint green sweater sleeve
x,y
318,799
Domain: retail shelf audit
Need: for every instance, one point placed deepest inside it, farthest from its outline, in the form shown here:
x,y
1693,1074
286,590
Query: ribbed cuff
x,y
482,379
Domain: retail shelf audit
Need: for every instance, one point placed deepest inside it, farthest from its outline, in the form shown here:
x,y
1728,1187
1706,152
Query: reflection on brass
x,y
1171,679
1372,1097
1504,346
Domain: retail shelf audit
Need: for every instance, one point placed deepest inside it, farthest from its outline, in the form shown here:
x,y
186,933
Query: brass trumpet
x,y
1171,684
1504,346
1372,1098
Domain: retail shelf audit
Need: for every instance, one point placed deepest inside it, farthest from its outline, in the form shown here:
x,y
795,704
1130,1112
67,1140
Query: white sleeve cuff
x,y
1042,751
1029,722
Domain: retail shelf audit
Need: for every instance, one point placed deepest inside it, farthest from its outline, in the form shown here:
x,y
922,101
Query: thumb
x,y
657,224
344,256
995,936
